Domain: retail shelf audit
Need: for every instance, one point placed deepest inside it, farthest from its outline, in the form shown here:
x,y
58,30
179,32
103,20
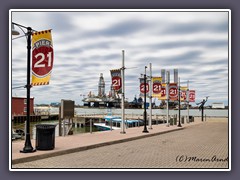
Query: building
x,y
101,86
163,72
175,75
19,106
218,105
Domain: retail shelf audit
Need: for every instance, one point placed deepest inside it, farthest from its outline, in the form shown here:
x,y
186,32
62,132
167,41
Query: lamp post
x,y
28,146
179,104
145,95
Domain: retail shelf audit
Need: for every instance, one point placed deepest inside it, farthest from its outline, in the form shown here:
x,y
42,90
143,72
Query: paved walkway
x,y
165,150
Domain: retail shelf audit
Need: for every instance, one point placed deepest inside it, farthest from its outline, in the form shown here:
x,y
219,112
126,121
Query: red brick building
x,y
19,106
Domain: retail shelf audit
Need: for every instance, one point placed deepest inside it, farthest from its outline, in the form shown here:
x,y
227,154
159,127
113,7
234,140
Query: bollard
x,y
111,124
171,121
91,126
182,119
175,120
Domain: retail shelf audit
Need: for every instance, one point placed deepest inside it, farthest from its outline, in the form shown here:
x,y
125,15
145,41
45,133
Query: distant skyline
x,y
87,43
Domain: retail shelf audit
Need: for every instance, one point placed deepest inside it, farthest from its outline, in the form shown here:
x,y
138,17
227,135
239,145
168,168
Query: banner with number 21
x,y
42,57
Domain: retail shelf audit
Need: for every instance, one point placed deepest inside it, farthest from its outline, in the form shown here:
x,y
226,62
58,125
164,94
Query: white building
x,y
218,105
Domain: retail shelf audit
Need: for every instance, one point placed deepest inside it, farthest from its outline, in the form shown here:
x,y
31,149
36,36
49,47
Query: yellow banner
x,y
183,93
42,57
183,88
163,92
156,86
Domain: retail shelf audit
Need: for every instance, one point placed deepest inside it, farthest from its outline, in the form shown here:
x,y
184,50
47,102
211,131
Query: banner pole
x,y
167,92
179,103
123,97
150,97
188,101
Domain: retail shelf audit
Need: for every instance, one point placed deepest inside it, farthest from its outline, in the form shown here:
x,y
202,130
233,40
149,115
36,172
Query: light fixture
x,y
14,32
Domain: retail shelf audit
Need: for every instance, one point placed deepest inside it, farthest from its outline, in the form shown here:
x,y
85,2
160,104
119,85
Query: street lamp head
x,y
14,32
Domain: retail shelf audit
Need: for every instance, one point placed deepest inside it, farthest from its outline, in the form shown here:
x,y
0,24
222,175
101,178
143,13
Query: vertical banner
x,y
156,86
142,87
173,91
163,92
192,95
116,80
184,94
42,57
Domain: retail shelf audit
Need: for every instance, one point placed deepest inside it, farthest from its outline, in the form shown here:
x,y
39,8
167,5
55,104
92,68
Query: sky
x,y
87,43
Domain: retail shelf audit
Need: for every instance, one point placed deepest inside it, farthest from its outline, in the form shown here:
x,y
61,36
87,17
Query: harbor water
x,y
192,112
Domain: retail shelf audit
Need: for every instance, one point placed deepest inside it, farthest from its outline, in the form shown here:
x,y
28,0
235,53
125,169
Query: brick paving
x,y
204,145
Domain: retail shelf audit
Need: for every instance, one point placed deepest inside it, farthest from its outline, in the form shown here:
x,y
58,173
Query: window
x,y
25,109
25,101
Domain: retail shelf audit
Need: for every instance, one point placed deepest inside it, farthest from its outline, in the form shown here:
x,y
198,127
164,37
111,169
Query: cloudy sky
x,y
89,43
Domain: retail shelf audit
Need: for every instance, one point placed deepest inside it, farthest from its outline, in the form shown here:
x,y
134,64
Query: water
x,y
192,112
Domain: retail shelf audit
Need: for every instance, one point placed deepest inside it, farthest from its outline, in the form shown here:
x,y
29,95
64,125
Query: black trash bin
x,y
190,118
45,136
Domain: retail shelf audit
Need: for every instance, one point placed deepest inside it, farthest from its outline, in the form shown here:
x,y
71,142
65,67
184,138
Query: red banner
x,y
116,80
192,95
142,87
173,91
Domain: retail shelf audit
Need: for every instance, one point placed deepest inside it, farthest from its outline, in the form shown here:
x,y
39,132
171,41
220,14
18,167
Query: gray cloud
x,y
89,43
195,27
121,29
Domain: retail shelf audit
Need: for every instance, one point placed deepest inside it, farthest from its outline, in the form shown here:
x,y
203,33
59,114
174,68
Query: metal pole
x,y
123,97
150,97
28,146
64,128
188,101
167,93
111,124
179,104
145,103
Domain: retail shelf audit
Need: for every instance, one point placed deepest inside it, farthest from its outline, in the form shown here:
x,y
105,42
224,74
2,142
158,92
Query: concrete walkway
x,y
80,142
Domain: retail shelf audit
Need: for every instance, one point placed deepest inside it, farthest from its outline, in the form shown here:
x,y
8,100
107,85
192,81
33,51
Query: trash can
x,y
45,136
190,118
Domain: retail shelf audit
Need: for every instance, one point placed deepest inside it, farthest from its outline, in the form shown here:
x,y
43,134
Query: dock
x,y
34,118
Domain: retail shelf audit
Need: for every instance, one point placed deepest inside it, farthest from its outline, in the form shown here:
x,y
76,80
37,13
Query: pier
x,y
34,118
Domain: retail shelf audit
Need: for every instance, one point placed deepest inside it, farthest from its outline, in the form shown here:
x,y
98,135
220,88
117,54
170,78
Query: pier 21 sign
x,y
156,86
142,87
42,57
192,95
173,91
116,80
